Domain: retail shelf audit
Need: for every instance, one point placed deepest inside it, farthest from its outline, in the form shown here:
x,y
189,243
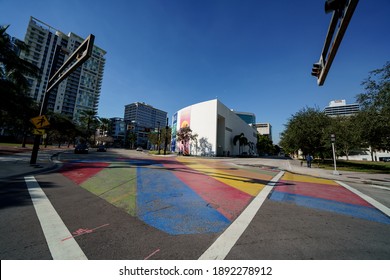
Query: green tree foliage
x,y
16,108
374,118
305,131
61,130
184,135
345,129
264,145
88,124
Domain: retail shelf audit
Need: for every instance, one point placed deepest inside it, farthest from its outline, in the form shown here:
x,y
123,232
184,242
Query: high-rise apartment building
x,y
143,118
341,108
264,129
77,93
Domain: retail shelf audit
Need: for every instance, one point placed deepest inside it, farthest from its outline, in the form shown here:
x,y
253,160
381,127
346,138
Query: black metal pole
x,y
166,138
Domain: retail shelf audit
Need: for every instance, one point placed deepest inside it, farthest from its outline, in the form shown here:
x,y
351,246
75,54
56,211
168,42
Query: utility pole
x,y
166,138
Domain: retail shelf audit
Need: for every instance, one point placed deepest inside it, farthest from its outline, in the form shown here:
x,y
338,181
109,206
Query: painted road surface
x,y
176,196
187,195
326,195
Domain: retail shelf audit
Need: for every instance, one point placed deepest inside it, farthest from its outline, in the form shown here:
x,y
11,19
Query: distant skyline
x,y
254,56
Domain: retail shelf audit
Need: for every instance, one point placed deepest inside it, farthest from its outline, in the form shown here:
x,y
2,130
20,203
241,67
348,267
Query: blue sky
x,y
254,56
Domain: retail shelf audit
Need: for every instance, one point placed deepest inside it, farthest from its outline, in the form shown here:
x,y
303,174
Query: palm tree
x,y
242,141
88,122
12,67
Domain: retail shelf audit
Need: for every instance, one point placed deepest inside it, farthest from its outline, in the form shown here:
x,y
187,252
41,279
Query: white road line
x,y
225,242
370,200
52,225
380,187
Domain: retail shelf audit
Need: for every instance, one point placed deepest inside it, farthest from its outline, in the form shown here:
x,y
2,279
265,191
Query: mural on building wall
x,y
185,121
174,132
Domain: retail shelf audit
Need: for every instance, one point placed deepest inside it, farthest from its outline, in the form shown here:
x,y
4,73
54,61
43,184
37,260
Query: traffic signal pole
x,y
76,59
342,14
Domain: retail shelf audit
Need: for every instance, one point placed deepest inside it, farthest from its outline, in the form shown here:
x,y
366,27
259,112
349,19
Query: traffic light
x,y
316,70
334,5
342,14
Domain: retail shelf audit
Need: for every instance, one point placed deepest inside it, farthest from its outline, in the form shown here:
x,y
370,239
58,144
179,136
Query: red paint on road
x,y
329,192
81,171
227,200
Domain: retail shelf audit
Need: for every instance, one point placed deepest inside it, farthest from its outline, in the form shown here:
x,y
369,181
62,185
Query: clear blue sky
x,y
254,56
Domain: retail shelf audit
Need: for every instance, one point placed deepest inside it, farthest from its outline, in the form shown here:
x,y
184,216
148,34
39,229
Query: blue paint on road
x,y
166,203
362,212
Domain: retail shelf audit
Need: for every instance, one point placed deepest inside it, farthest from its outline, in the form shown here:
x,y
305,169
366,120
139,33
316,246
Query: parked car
x,y
81,149
139,149
101,148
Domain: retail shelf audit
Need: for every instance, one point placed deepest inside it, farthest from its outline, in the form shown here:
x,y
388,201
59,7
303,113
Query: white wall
x,y
238,126
203,121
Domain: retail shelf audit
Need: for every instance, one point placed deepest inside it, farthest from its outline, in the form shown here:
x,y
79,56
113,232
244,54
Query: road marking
x,y
52,225
370,200
225,242
380,187
152,254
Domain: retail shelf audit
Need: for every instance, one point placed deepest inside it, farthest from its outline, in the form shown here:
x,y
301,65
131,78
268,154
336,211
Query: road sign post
x,y
76,59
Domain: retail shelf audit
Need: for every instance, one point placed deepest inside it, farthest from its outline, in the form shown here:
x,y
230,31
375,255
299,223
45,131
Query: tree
x,y
306,131
242,141
184,135
264,144
166,134
375,104
346,131
16,108
61,129
88,123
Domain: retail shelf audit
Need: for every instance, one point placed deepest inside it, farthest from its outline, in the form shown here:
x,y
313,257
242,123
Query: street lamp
x,y
333,140
166,138
158,138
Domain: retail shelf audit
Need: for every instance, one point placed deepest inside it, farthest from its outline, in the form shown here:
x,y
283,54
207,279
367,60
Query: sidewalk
x,y
347,176
15,161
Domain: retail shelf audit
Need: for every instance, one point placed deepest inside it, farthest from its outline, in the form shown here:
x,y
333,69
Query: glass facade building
x,y
49,49
142,119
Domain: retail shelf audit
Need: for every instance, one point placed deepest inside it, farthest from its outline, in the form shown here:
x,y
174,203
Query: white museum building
x,y
215,126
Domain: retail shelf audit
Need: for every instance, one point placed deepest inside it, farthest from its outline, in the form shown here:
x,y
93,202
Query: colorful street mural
x,y
185,121
177,197
183,195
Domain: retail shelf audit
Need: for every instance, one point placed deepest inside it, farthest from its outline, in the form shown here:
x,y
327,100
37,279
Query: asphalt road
x,y
131,205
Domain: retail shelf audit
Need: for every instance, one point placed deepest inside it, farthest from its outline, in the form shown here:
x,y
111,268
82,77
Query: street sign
x,y
40,122
37,131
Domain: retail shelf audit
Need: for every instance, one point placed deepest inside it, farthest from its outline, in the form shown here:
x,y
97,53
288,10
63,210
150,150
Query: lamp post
x,y
166,138
158,138
333,140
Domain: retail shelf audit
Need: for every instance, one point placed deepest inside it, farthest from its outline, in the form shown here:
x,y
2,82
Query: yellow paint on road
x,y
250,183
307,179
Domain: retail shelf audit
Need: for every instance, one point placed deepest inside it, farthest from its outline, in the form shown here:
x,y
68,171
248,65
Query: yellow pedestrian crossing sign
x,y
40,122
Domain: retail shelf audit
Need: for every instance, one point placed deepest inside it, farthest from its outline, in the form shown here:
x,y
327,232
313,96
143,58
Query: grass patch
x,y
16,145
356,166
161,152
